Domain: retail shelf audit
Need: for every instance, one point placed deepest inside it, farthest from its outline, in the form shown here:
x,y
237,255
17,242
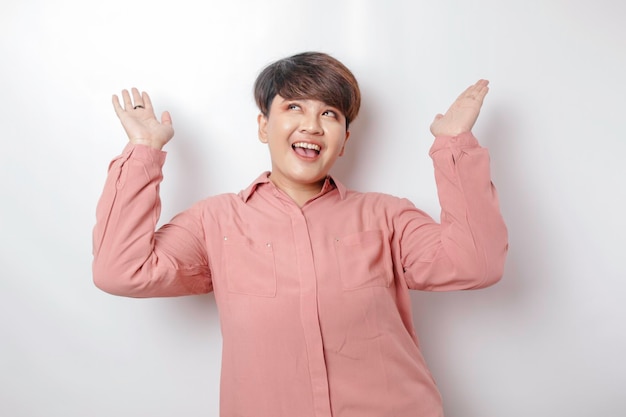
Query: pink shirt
x,y
314,303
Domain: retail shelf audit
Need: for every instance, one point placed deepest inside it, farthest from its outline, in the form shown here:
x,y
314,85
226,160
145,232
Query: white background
x,y
548,340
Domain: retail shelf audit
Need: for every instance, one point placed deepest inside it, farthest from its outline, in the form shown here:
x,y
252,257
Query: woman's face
x,y
305,138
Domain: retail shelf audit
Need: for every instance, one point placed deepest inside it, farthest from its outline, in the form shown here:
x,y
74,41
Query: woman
x,y
311,279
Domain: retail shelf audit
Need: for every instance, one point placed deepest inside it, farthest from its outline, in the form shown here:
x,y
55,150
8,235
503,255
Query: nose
x,y
311,125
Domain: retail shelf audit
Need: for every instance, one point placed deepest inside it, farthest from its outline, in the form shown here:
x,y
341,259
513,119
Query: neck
x,y
299,193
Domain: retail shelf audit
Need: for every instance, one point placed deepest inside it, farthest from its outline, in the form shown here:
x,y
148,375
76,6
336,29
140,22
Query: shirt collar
x,y
329,184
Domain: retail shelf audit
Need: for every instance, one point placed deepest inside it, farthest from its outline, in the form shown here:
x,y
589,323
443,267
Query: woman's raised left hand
x,y
462,114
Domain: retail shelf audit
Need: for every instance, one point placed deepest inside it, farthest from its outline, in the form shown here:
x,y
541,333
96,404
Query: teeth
x,y
307,146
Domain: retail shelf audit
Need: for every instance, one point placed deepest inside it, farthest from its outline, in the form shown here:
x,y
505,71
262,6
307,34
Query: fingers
x,y
478,91
147,103
116,105
140,100
137,99
128,103
482,87
166,118
482,83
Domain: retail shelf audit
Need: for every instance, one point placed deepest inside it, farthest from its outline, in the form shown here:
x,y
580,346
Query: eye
x,y
293,106
330,113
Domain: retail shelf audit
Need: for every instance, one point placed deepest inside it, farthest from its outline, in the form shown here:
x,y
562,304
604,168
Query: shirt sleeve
x,y
468,248
130,258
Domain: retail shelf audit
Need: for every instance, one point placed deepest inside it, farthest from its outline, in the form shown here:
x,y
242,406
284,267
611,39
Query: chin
x,y
308,177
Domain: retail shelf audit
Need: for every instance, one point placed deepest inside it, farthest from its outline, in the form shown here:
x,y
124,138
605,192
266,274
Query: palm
x,y
462,114
140,122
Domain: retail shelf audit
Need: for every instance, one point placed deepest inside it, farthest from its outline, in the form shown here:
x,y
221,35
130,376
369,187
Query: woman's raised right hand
x,y
140,122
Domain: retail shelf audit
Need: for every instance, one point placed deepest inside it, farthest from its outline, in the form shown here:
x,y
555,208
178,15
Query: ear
x,y
262,122
343,148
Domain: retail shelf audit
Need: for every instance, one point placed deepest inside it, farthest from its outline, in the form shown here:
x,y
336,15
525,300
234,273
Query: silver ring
x,y
138,106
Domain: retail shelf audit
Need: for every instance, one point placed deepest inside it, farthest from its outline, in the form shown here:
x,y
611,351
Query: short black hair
x,y
309,75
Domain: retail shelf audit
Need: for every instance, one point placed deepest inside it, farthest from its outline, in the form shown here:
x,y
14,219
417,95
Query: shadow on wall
x,y
190,171
348,168
440,318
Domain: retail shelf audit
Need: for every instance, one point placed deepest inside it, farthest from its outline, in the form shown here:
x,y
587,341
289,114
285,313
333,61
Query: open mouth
x,y
306,150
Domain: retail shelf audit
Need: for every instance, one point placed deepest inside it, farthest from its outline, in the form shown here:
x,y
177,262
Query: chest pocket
x,y
249,267
364,260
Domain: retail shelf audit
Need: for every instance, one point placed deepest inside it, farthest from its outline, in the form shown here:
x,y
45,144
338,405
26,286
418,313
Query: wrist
x,y
146,142
464,140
